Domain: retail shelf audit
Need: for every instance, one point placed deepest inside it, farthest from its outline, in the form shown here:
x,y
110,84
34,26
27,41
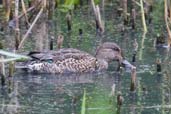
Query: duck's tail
x,y
21,65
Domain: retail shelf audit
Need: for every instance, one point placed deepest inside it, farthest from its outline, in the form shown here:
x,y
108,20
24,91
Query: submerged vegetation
x,y
140,27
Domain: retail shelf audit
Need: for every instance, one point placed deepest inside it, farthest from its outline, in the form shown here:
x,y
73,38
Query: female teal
x,y
76,61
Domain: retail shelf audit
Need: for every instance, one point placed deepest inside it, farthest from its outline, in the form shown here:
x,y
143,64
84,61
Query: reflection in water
x,y
31,93
13,103
48,94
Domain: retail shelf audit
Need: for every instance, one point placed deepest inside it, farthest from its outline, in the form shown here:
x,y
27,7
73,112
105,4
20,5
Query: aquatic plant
x,y
83,106
13,55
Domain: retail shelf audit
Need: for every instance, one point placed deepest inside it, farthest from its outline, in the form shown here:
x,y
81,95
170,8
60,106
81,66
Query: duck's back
x,y
61,61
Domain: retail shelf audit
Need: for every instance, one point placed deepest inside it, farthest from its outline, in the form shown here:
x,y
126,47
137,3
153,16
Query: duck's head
x,y
109,51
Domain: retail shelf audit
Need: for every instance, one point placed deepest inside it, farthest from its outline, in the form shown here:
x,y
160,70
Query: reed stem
x,y
69,19
83,107
2,71
142,46
17,31
7,6
143,16
25,12
167,25
29,30
133,80
11,68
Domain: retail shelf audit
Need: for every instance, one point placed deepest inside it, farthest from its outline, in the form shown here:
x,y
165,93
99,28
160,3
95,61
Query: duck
x,y
75,61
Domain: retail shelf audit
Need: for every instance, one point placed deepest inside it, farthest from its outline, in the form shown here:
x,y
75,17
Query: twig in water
x,y
29,30
25,12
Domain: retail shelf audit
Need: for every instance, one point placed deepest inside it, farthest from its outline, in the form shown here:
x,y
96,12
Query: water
x,y
62,94
51,94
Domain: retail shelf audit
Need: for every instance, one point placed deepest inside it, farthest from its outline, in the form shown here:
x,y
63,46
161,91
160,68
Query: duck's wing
x,y
64,60
37,55
61,54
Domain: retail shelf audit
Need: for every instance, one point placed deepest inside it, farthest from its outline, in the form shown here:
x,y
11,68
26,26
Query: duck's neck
x,y
102,64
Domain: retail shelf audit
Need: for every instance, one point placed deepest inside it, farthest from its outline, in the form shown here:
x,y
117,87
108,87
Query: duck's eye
x,y
115,49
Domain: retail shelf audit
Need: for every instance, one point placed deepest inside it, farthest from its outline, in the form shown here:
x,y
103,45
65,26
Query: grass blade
x,y
83,107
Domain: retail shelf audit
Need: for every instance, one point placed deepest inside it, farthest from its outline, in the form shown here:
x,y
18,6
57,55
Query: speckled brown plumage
x,y
73,60
63,60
